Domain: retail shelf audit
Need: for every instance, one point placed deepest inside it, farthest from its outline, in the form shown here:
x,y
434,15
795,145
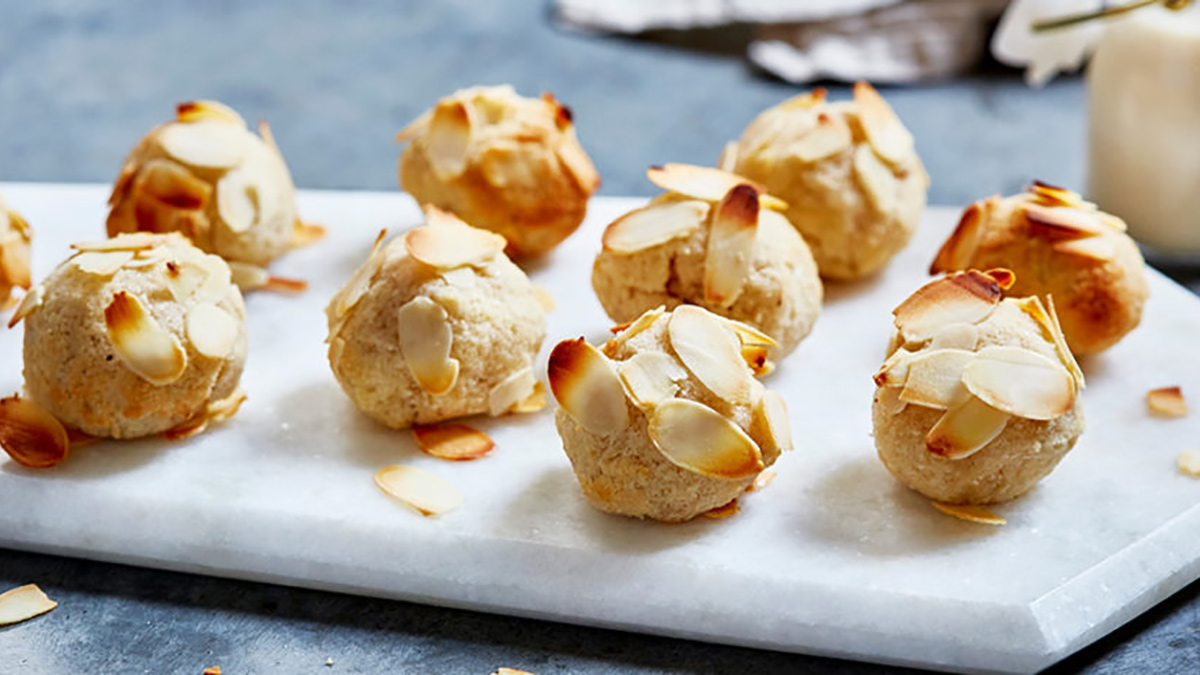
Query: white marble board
x,y
833,558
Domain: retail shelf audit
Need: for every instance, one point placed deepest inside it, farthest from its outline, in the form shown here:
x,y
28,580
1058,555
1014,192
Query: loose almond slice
x,y
195,111
1189,463
956,336
963,297
651,377
974,514
29,304
1020,382
133,241
208,144
704,183
447,242
587,387
448,139
425,341
959,248
145,347
721,512
101,263
510,391
510,671
211,330
877,180
307,234
710,351
23,603
1100,249
455,442
429,494
772,410
238,200
30,435
354,289
1048,321
934,378
965,429
654,225
1167,402
1060,222
885,133
730,251
749,335
535,402
829,137
699,439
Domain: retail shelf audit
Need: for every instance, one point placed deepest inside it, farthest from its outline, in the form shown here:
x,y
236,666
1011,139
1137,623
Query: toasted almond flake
x,y
426,492
360,281
307,234
1052,195
1189,463
704,183
29,304
587,387
728,160
730,250
830,136
721,512
133,241
1020,382
30,435
877,180
448,138
772,409
1060,222
426,338
510,391
955,336
543,297
1100,249
974,514
885,133
710,351
962,297
809,99
959,248
510,671
455,442
627,330
1051,331
749,335
764,478
1167,402
1005,278
209,144
447,242
213,670
934,378
195,111
238,200
889,399
215,412
757,357
894,370
577,163
965,429
101,263
654,225
535,402
23,603
144,346
211,330
699,439
651,377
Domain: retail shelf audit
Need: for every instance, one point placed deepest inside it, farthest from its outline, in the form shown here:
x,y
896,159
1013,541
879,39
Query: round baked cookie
x,y
848,170
713,241
1062,247
15,238
205,175
666,421
437,324
979,399
501,162
133,336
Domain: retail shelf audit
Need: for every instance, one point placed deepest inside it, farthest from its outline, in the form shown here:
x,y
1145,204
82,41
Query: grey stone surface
x,y
81,81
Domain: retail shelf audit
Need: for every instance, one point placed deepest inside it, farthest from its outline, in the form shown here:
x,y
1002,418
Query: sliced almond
x,y
215,413
535,402
699,439
360,281
956,336
30,435
704,183
447,242
885,133
830,136
653,225
772,410
959,248
877,180
577,163
1100,249
889,400
133,241
1052,195
248,277
974,514
1048,321
809,99
307,234
1005,278
145,347
1167,402
238,200
212,670
1060,222
762,480
211,330
962,297
425,341
965,429
728,159
510,391
455,442
730,251
23,603
544,299
448,139
627,330
101,263
29,304
1020,382
208,144
758,358
934,378
721,512
195,111
651,377
587,387
426,492
710,351
749,335
1189,463
510,671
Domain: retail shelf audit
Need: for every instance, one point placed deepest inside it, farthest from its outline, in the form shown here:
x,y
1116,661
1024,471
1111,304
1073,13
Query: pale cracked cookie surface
x,y
502,162
15,239
133,336
849,172
437,324
206,176
979,399
716,245
666,421
1061,246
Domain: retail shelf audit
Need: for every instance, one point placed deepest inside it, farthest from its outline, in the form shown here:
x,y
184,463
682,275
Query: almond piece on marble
x,y
651,377
425,341
448,139
830,136
1189,463
697,438
30,435
704,183
207,144
730,250
455,442
1020,382
654,225
934,378
512,390
877,180
970,513
23,603
587,387
1167,402
447,242
427,493
196,111
965,429
143,345
885,133
962,297
1100,249
307,234
711,352
211,330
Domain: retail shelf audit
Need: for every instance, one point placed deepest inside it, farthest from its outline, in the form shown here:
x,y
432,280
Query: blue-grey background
x,y
80,82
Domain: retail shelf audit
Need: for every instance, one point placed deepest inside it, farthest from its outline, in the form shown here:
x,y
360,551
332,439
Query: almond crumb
x,y
1166,402
1189,463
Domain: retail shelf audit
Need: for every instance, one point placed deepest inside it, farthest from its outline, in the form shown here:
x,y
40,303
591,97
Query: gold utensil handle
x,y
1042,25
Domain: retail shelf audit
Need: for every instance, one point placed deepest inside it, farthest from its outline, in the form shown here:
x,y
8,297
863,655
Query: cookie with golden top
x,y
502,162
979,397
1062,246
15,240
